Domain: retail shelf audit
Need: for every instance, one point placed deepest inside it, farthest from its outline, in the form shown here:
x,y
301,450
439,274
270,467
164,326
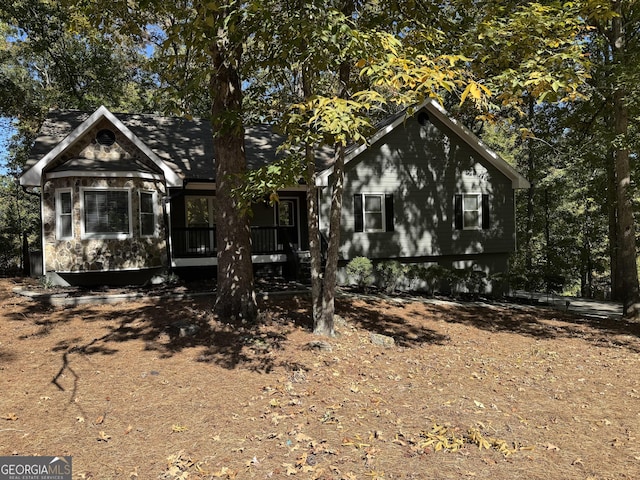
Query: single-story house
x,y
125,197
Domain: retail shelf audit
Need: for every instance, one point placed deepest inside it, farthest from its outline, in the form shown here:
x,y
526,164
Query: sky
x,y
6,131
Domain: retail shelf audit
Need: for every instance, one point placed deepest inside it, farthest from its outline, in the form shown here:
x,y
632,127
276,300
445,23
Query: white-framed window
x,y
64,214
373,212
106,212
471,211
147,214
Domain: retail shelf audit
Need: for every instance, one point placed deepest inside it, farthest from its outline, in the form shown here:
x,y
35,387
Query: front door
x,y
287,217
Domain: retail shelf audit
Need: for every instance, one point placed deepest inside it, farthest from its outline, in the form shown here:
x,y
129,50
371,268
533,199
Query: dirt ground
x,y
162,390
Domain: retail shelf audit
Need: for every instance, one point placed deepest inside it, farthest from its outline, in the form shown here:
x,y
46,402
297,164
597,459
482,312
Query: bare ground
x,y
161,389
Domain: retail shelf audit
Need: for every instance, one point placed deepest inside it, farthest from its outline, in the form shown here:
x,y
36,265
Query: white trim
x,y
478,196
434,108
383,208
213,261
84,235
32,177
96,174
86,272
153,212
58,213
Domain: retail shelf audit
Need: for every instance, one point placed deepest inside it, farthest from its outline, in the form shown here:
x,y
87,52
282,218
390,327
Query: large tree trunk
x,y
235,289
315,241
626,264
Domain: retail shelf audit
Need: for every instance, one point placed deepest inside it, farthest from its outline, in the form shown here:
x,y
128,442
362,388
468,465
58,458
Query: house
x,y
126,197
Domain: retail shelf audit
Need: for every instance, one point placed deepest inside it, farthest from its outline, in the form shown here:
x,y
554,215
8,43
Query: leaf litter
x,y
466,391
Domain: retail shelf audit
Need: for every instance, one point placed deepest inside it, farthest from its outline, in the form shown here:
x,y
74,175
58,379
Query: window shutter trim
x,y
358,217
457,209
388,214
486,217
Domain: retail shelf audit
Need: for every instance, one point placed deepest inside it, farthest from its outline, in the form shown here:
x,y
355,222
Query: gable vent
x,y
106,137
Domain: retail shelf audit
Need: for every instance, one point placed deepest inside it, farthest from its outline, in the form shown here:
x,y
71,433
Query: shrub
x,y
414,273
475,281
434,276
360,269
389,273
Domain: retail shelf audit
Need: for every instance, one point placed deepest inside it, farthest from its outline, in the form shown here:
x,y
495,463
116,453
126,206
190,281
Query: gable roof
x,y
183,146
183,149
57,138
438,112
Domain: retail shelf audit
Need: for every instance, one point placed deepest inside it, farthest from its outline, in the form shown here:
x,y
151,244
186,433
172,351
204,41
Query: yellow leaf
x,y
103,437
178,428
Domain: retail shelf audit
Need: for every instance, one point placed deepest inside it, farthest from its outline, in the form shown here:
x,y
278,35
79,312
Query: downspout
x,y
39,195
166,212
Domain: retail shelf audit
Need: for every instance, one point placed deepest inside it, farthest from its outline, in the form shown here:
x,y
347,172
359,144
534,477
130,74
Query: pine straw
x,y
126,392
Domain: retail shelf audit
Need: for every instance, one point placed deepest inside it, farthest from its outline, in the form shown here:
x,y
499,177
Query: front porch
x,y
197,246
278,235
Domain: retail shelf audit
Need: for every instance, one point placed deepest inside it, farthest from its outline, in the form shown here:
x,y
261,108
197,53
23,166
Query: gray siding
x,y
424,167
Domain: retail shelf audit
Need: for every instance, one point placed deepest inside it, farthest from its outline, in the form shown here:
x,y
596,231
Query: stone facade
x,y
82,254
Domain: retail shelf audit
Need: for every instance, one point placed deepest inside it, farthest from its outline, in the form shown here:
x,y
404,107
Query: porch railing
x,y
201,241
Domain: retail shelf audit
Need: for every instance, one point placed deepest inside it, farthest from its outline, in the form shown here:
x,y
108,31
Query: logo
x,y
35,468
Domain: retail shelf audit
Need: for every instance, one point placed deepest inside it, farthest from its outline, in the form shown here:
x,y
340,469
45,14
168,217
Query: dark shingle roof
x,y
185,145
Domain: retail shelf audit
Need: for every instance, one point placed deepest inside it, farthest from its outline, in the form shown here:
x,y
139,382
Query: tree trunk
x,y
612,211
530,224
324,324
626,259
235,290
315,242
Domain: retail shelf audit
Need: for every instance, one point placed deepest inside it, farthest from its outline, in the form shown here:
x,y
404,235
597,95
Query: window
x,y
373,212
286,213
471,211
64,213
200,211
107,213
147,215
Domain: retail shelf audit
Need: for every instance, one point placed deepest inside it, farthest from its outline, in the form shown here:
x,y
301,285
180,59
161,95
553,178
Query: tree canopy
x,y
554,82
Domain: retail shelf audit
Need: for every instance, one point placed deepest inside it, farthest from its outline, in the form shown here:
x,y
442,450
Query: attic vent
x,y
106,137
423,118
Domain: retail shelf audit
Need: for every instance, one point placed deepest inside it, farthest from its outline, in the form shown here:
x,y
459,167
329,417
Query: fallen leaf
x,y
551,446
80,419
103,437
178,428
128,429
291,470
12,417
99,420
478,404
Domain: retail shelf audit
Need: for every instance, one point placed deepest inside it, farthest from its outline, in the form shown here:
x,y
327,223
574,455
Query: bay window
x,y
107,213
